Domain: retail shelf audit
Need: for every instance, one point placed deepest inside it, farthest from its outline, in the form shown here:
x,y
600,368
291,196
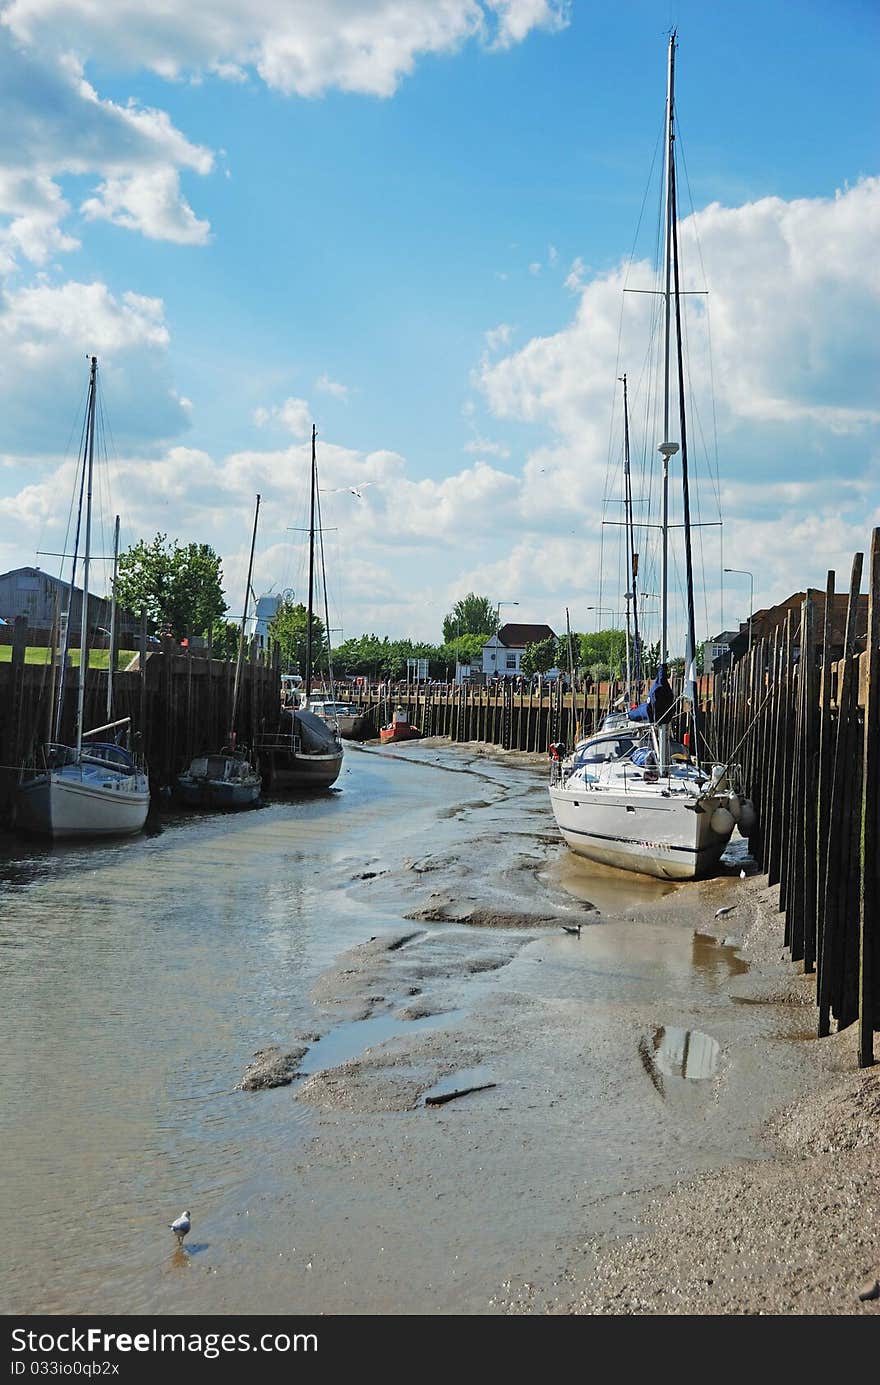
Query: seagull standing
x,y
572,928
181,1226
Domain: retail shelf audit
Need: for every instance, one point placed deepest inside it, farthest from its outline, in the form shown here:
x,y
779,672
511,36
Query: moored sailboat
x,y
92,788
628,798
304,751
227,779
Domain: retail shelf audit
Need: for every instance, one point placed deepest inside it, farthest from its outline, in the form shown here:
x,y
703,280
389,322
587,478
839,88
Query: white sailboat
x,y
93,788
622,800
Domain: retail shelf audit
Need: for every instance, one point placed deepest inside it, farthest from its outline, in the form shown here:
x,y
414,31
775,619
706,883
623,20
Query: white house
x,y
502,654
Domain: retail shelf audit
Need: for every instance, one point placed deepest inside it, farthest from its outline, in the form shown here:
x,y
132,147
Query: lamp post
x,y
744,572
498,606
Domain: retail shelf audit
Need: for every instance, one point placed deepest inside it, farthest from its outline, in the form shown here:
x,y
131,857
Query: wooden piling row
x,y
805,731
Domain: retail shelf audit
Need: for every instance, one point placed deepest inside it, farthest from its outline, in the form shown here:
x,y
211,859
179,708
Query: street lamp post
x,y
744,572
498,606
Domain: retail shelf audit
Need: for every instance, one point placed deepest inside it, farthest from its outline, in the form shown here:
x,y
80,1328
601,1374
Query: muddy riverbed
x,y
247,1016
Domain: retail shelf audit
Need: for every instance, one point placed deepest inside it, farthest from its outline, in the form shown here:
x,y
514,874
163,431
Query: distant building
x,y
716,652
37,595
502,654
765,622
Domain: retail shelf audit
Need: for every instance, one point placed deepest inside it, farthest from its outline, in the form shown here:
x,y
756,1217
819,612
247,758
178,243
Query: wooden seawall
x,y
806,729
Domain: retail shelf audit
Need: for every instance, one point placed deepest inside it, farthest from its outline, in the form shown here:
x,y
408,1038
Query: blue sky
x,y
408,223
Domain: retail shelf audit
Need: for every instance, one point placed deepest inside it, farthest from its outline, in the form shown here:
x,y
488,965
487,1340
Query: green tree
x,y
224,639
179,588
606,647
538,658
472,615
289,626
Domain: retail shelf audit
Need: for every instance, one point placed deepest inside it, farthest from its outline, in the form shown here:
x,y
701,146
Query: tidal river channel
x,y
402,935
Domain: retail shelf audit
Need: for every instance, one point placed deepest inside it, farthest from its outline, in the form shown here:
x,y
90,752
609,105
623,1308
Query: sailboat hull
x,y
292,770
78,803
675,838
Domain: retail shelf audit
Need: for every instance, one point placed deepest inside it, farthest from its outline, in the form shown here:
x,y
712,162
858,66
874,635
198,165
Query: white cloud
x,y
55,124
294,415
363,46
499,336
484,448
794,294
574,280
46,333
328,386
149,202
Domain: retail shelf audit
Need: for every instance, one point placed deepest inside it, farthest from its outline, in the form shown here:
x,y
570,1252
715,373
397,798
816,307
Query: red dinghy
x,y
399,728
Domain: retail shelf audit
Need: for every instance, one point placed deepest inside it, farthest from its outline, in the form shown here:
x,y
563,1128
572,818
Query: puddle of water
x,y
706,952
685,1053
459,1081
352,1039
609,890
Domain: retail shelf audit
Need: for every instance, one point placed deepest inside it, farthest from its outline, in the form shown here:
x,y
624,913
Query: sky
x,y
412,223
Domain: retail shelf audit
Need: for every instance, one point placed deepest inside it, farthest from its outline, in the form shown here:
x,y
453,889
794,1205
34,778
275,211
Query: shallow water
x,y
139,978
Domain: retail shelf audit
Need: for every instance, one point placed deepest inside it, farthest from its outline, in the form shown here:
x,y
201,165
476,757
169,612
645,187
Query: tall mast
x,y
632,555
667,448
311,572
238,663
691,651
326,597
84,619
111,658
570,651
65,615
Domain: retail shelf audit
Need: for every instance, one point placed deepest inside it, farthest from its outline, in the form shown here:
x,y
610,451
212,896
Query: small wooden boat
x,y
399,728
227,780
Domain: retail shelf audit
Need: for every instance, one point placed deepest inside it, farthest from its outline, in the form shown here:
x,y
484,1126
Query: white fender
x,y
722,821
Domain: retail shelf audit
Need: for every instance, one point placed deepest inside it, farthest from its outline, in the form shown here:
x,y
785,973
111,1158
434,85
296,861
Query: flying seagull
x,y
181,1226
352,490
572,928
728,909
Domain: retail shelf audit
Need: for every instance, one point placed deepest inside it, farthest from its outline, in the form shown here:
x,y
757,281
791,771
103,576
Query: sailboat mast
x,y
667,322
691,651
239,661
632,556
570,651
308,689
111,658
326,598
84,619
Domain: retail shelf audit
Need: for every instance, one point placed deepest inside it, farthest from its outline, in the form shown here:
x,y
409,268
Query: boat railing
x,y
279,740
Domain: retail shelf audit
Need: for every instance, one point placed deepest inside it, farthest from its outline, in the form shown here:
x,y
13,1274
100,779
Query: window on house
x,y
511,661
